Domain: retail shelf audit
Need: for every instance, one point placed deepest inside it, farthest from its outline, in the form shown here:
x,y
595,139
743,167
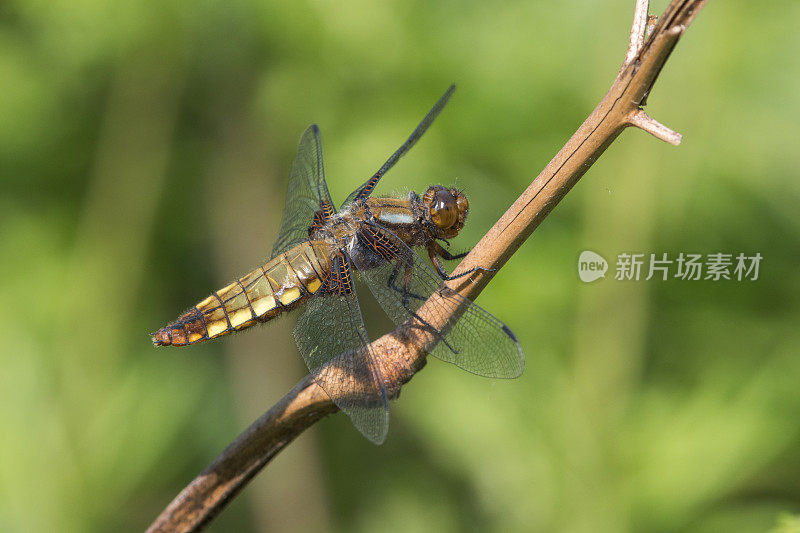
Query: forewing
x,y
477,342
368,186
308,192
333,342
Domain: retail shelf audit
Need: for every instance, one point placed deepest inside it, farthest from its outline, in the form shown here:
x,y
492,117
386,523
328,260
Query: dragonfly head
x,y
446,210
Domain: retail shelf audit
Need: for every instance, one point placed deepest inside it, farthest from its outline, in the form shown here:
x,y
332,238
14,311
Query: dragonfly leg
x,y
437,253
447,256
404,292
406,296
468,272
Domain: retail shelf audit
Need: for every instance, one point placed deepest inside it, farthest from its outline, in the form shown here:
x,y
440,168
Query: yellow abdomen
x,y
280,285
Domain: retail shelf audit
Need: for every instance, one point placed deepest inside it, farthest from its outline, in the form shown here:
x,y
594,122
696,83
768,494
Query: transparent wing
x,y
308,192
334,344
366,189
478,342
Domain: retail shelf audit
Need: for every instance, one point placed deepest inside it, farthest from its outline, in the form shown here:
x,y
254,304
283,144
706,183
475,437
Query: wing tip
x,y
520,368
378,437
377,440
312,129
520,352
510,333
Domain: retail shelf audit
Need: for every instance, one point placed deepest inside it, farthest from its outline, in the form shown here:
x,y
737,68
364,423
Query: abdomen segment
x,y
280,285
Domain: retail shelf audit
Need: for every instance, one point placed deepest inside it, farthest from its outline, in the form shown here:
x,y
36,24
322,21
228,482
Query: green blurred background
x,y
144,153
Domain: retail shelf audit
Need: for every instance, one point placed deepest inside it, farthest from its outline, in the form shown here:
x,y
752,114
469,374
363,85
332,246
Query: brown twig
x,y
402,352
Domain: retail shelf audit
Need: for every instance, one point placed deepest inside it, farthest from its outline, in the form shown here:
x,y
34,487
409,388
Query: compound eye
x,y
462,203
444,212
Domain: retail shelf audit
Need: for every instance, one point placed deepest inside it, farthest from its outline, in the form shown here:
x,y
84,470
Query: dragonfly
x,y
319,254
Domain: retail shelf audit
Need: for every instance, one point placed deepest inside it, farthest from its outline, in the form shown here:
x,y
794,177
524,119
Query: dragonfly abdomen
x,y
280,285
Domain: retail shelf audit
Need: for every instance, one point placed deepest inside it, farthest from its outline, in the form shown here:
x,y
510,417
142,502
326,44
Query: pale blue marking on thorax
x,y
396,218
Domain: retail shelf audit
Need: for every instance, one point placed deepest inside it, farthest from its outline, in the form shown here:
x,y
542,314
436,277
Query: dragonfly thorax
x,y
339,230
